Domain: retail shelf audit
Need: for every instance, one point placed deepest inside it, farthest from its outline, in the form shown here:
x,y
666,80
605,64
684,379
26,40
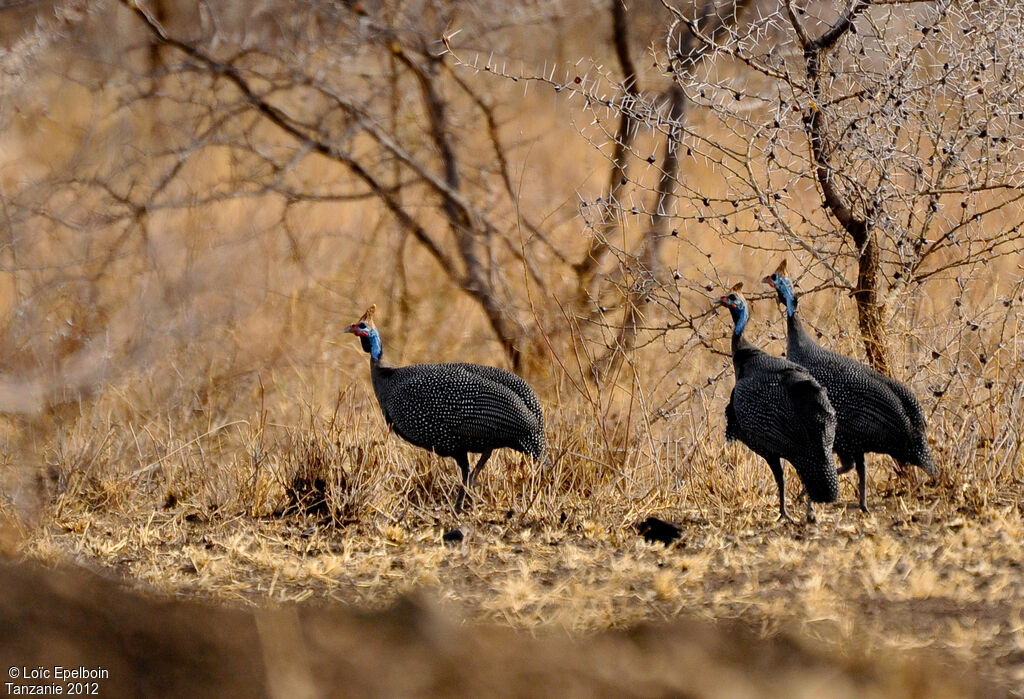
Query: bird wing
x,y
782,410
495,410
872,403
911,406
807,397
511,381
448,409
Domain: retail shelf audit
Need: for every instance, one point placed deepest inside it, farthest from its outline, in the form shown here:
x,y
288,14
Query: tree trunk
x,y
857,225
586,269
649,257
869,307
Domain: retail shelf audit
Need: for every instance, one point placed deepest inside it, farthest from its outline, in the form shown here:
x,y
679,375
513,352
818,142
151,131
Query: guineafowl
x,y
876,413
454,409
780,412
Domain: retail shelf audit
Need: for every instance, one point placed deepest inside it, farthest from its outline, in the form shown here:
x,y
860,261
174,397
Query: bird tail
x,y
543,456
926,462
821,490
819,478
818,419
919,455
537,447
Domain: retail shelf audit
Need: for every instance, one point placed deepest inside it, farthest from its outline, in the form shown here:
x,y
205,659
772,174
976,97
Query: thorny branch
x,y
468,225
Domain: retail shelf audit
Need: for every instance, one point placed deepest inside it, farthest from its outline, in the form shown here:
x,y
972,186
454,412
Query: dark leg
x,y
780,481
463,461
479,466
810,509
862,477
847,464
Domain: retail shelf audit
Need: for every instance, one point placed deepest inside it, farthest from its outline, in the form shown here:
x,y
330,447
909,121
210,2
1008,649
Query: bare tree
x,y
878,140
361,92
718,19
411,40
611,296
903,117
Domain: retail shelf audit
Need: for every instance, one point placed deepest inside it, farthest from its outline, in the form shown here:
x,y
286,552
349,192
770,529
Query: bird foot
x,y
784,517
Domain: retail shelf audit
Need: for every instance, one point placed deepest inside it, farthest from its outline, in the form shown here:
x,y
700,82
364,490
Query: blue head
x,y
783,288
367,333
737,306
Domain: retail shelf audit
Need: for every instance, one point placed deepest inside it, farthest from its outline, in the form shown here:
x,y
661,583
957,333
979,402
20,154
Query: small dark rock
x,y
452,536
654,529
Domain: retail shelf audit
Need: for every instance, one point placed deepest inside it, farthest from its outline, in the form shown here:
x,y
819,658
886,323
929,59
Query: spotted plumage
x,y
454,409
876,413
780,412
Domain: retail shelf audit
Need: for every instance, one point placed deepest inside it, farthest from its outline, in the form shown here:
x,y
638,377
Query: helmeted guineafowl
x,y
454,409
875,413
780,412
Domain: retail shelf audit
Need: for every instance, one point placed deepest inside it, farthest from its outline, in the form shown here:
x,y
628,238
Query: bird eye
x,y
362,326
732,297
775,277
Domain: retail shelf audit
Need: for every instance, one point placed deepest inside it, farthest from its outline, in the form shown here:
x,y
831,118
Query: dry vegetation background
x,y
197,198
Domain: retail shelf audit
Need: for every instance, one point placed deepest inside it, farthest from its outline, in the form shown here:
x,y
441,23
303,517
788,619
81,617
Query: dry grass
x,y
935,566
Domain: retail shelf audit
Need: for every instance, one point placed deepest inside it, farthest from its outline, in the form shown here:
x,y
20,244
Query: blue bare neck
x,y
785,289
740,314
372,345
